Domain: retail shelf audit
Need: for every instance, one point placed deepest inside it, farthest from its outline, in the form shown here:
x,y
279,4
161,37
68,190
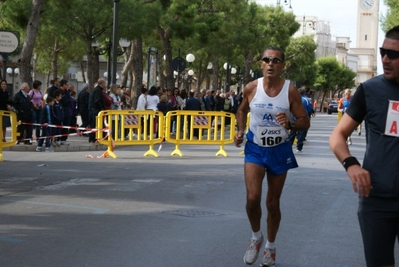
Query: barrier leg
x,y
1,155
177,151
221,151
151,151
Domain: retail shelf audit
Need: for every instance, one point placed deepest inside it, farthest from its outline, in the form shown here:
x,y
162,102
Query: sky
x,y
342,15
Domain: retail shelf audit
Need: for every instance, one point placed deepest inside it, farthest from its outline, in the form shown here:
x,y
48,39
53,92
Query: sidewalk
x,y
76,143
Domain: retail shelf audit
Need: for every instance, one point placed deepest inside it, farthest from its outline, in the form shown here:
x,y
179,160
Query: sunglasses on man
x,y
391,54
274,60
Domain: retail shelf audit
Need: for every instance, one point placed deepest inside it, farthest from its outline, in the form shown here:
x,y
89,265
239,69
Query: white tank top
x,y
267,132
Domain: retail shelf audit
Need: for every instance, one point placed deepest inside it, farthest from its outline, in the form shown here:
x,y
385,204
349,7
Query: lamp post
x,y
179,64
102,50
229,70
115,40
209,70
152,67
13,72
106,49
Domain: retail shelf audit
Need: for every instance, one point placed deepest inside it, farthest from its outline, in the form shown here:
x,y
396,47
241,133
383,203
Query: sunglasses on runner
x,y
274,60
391,54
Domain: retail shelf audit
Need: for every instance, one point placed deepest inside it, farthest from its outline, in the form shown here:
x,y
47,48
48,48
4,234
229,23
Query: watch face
x,y
367,4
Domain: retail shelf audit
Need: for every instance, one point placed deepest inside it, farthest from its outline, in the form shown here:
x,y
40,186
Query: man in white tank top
x,y
273,102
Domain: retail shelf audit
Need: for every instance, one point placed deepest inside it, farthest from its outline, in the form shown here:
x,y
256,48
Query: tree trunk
x,y
247,68
215,74
54,65
82,69
138,68
129,60
25,67
168,55
92,64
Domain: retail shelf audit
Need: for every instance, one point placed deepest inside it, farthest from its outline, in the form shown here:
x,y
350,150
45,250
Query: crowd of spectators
x,y
58,105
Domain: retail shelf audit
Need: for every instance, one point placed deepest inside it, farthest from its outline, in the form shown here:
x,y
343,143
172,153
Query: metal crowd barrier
x,y
13,131
200,128
130,127
148,127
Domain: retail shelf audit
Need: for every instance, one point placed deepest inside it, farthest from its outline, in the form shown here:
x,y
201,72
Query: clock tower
x,y
367,39
367,24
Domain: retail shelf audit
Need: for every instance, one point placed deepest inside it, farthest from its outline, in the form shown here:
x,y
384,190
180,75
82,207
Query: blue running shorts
x,y
276,160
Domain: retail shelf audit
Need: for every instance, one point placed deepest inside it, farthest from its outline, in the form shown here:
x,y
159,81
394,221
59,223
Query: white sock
x,y
257,235
270,244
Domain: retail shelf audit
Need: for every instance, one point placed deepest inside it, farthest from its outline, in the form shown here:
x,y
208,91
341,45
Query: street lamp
x,y
102,50
152,67
229,70
190,58
106,49
13,72
179,64
209,71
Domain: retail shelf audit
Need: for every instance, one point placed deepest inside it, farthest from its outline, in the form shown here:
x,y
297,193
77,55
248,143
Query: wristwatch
x,y
291,125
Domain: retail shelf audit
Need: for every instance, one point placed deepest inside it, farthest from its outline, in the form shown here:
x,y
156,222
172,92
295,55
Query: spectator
x,y
96,104
192,103
83,105
164,105
73,111
5,104
55,86
57,117
45,119
152,102
36,98
141,105
24,108
66,104
115,105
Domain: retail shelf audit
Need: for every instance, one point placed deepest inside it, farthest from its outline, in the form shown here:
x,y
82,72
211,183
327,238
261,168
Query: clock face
x,y
367,4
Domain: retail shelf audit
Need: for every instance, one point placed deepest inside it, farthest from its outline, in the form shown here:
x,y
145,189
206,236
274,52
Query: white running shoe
x,y
251,255
269,257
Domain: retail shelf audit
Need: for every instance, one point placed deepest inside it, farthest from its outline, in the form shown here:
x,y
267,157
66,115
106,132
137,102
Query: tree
x,y
332,75
18,18
391,19
301,60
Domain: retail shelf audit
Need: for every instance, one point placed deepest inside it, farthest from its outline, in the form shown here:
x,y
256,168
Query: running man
x,y
376,101
268,150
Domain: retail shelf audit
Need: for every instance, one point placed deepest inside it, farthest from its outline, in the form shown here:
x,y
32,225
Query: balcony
x,y
367,68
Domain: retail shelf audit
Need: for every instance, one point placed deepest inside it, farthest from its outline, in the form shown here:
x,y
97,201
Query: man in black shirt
x,y
96,104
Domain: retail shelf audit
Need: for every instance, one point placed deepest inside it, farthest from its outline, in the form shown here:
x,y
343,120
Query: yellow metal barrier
x,y
130,127
13,139
200,128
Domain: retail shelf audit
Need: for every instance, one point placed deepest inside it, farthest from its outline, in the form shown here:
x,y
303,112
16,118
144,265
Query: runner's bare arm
x,y
242,112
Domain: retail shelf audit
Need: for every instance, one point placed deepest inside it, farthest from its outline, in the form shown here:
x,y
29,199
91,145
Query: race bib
x,y
270,136
392,123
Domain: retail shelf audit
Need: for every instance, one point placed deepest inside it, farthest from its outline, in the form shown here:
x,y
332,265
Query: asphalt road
x,y
65,210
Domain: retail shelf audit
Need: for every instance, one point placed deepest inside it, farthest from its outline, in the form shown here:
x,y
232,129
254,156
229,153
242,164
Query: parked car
x,y
332,107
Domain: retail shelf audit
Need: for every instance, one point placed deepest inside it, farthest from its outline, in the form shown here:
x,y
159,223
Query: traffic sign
x,y
8,42
178,64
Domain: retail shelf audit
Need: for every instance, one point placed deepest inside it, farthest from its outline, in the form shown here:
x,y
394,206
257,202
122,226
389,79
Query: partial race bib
x,y
392,123
270,136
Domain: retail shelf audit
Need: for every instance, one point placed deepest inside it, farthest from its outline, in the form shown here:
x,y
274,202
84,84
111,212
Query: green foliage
x,y
333,75
301,60
391,18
